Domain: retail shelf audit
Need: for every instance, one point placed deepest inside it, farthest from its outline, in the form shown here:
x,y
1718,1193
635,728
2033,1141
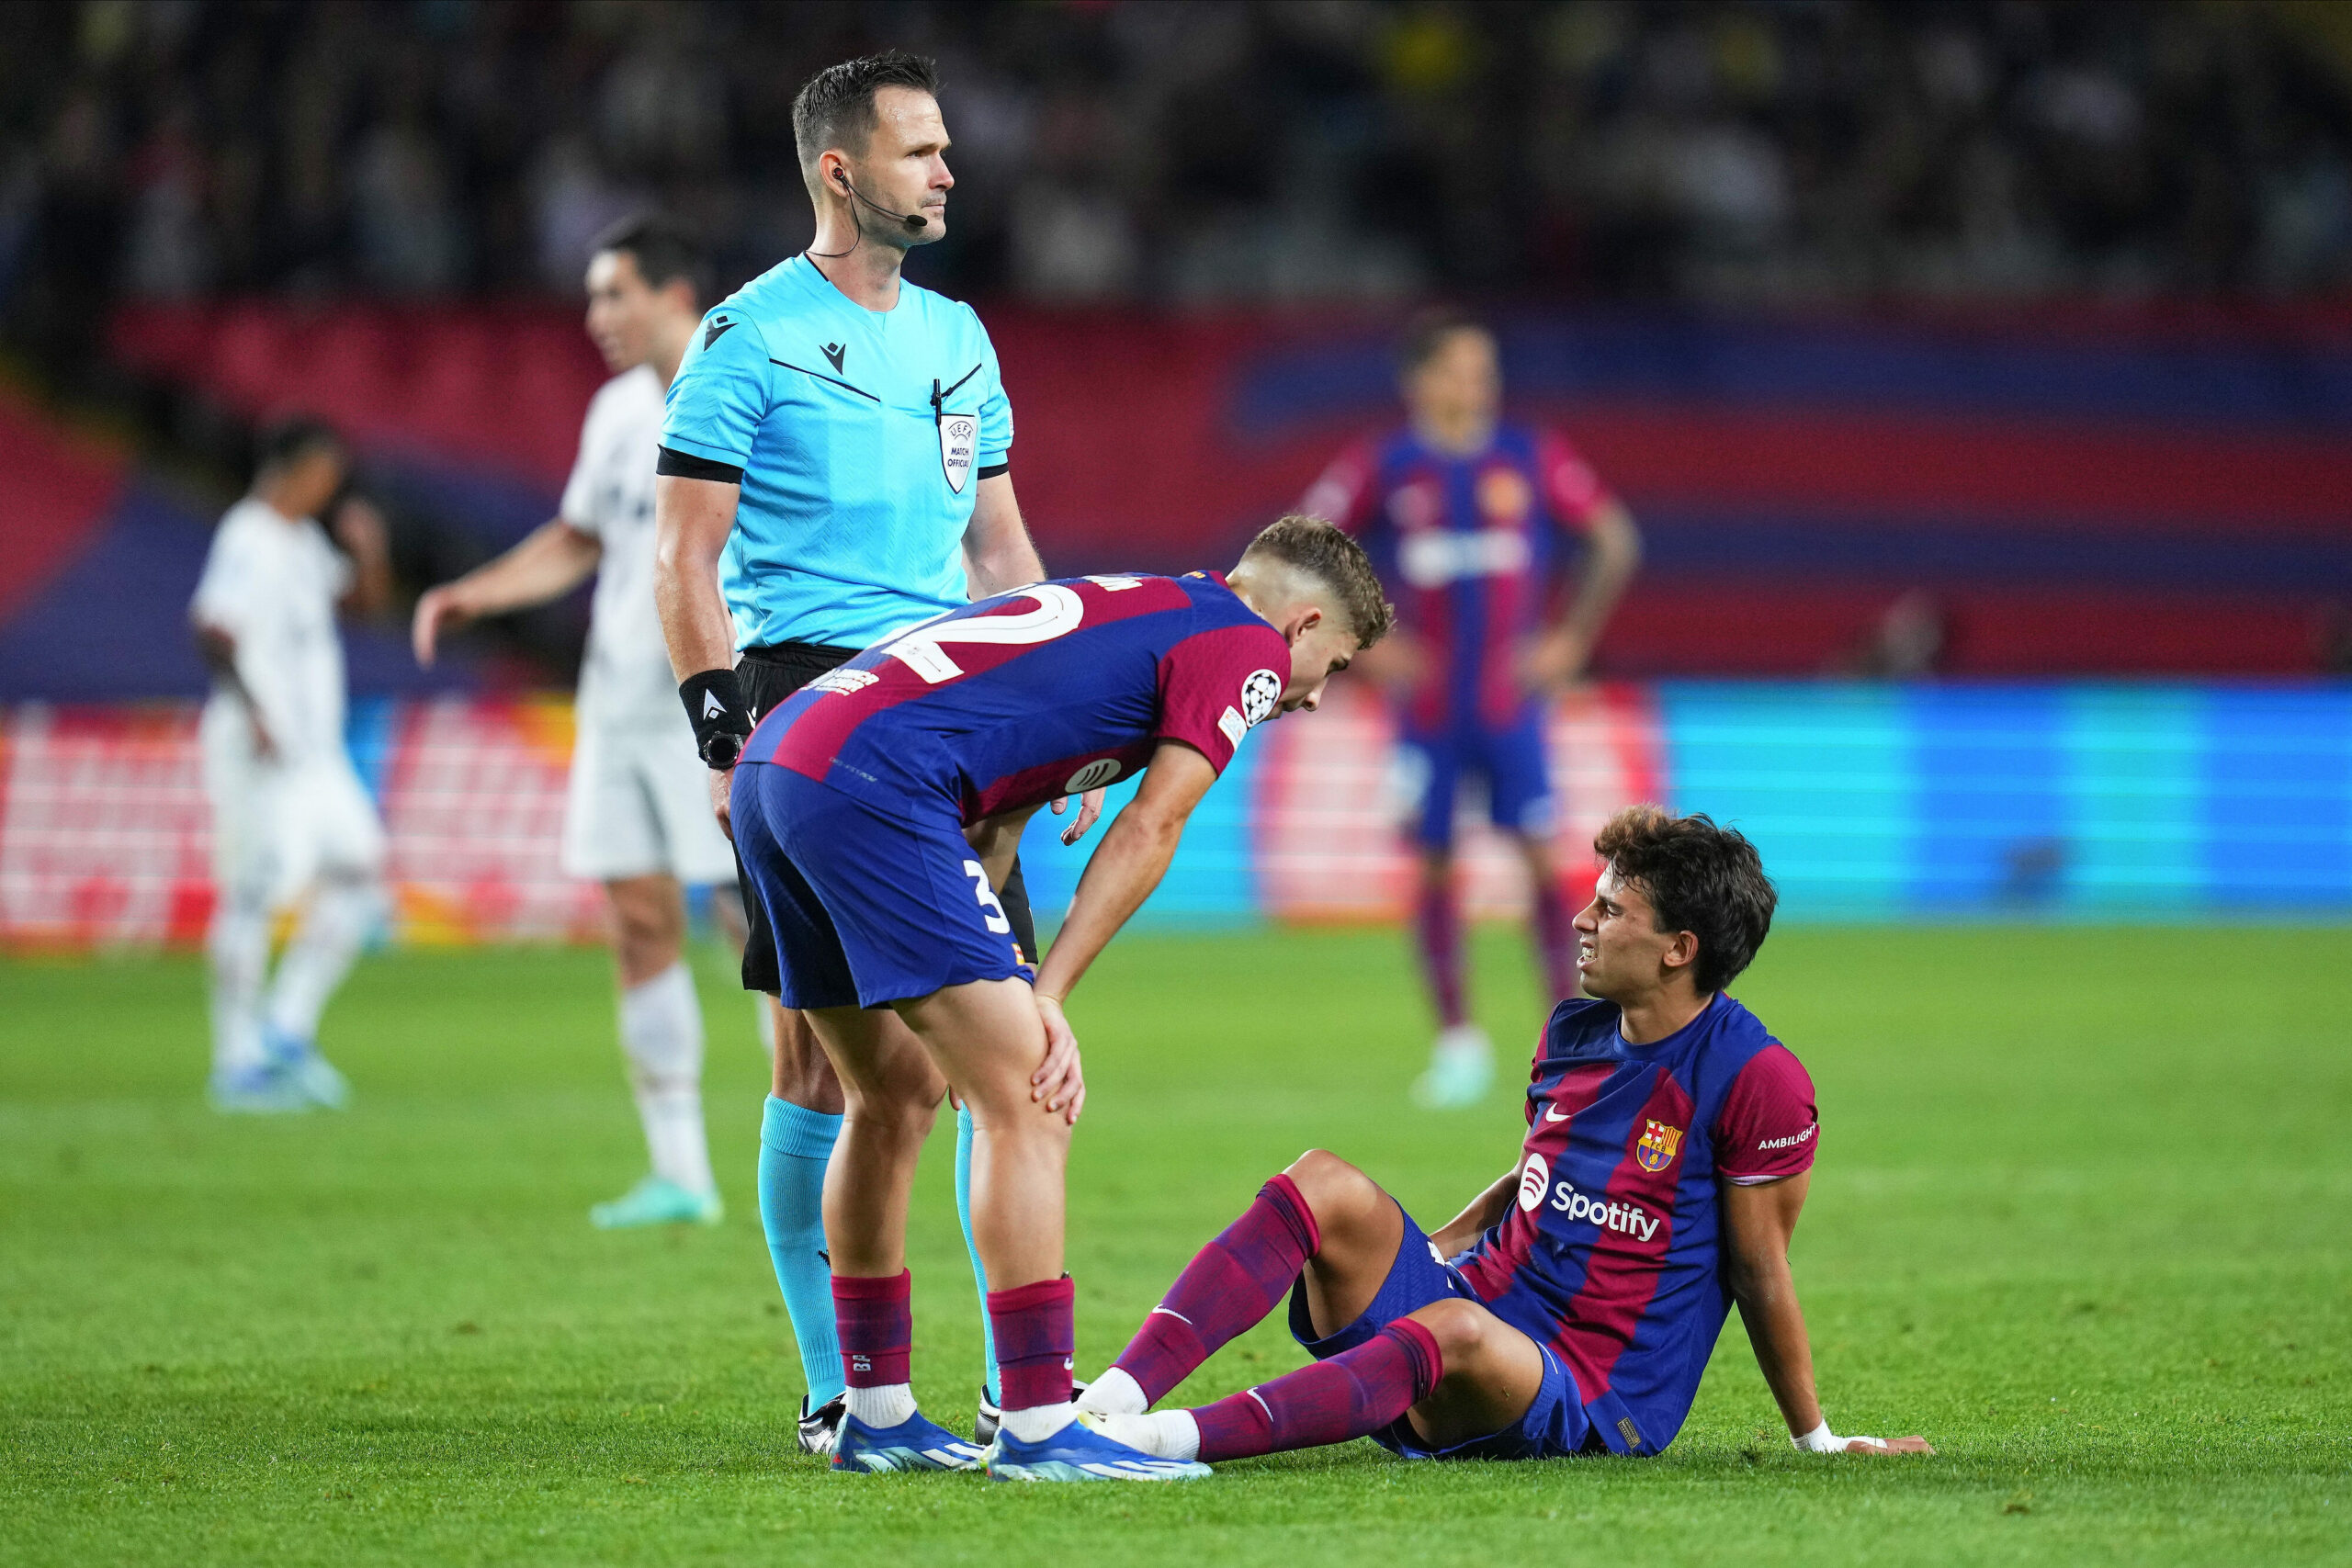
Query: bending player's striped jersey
x,y
1470,547
1049,690
1612,1254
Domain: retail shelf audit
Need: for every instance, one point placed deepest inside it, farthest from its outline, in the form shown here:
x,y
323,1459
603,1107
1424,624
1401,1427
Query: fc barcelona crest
x,y
1659,1144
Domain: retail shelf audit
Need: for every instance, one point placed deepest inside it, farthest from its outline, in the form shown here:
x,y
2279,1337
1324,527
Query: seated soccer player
x,y
1572,1306
876,811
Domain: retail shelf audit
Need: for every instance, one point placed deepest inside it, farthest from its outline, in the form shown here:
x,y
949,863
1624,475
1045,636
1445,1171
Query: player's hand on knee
x,y
1058,1081
722,788
1090,809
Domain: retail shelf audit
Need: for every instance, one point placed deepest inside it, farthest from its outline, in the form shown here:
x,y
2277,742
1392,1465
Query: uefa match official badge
x,y
1659,1142
957,432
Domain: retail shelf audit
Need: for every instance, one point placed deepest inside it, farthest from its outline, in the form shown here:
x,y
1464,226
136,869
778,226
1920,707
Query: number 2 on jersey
x,y
921,648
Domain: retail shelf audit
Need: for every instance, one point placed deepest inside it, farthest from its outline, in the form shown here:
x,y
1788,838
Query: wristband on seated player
x,y
714,702
1822,1440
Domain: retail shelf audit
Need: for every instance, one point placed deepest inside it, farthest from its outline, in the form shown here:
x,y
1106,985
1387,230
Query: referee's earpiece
x,y
915,222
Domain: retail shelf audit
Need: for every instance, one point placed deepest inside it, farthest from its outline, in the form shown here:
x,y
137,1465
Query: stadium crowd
x,y
1194,152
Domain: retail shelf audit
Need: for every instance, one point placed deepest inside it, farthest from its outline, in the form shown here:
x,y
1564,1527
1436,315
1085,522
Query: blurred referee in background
x,y
833,467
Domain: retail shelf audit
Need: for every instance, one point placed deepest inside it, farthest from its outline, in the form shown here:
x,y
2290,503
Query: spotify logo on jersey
x,y
1532,1181
1101,771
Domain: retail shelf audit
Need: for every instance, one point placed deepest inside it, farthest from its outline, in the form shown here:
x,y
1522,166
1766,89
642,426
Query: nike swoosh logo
x,y
1552,1113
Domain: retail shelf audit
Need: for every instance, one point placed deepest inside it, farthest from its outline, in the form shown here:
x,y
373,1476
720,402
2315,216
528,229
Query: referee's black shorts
x,y
767,676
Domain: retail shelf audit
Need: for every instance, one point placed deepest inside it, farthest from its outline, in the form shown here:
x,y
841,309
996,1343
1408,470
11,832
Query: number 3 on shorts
x,y
986,896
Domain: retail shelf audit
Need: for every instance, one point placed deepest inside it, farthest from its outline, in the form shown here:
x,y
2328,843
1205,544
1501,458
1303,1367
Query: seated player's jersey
x,y
1612,1254
1049,690
1469,546
859,438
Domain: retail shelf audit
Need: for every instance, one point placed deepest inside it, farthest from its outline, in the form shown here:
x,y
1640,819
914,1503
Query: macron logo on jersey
x,y
716,330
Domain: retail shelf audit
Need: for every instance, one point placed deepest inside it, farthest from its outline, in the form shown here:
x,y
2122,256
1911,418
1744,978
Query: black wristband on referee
x,y
714,702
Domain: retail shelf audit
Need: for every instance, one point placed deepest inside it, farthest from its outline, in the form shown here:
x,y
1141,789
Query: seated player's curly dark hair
x,y
1700,878
1337,562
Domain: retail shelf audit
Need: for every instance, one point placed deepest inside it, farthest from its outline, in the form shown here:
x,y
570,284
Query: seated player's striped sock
x,y
795,1144
1233,1282
1354,1394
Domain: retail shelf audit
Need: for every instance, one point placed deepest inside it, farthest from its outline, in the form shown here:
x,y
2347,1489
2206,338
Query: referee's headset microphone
x,y
915,222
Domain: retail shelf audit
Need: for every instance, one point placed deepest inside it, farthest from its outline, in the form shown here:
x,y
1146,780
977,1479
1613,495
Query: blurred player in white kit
x,y
290,821
639,818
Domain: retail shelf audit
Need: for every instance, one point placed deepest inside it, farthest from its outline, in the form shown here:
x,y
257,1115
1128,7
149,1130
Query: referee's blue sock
x,y
795,1143
980,1275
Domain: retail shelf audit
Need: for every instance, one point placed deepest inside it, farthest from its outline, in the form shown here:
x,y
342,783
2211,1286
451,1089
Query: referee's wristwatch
x,y
714,701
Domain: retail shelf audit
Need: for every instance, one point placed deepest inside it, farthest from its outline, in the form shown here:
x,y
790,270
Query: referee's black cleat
x,y
821,1430
985,1423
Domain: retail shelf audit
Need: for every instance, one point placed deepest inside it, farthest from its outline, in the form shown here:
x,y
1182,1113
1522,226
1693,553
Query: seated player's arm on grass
x,y
998,552
1759,1220
1128,864
1484,1212
550,561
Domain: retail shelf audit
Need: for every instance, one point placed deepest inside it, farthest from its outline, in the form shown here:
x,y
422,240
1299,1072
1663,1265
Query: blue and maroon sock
x,y
1232,1283
1555,941
1437,936
1354,1394
1034,1329
877,1323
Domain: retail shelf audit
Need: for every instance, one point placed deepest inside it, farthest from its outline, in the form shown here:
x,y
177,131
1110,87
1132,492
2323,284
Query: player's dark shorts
x,y
1431,764
767,676
1555,1423
869,906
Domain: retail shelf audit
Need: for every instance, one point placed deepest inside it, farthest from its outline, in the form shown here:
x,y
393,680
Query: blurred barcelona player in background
x,y
1471,519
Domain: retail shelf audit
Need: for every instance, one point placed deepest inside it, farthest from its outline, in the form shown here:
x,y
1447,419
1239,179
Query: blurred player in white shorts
x,y
291,824
639,818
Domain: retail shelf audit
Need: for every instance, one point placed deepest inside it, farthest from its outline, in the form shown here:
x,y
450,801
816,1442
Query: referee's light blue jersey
x,y
860,439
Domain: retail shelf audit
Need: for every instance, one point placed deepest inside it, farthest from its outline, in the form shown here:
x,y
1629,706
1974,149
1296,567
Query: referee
x,y
833,467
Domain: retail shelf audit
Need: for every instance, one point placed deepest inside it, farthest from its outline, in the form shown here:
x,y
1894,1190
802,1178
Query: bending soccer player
x,y
1473,516
637,818
876,811
1573,1306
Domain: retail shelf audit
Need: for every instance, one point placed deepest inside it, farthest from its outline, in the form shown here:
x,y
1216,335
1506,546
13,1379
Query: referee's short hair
x,y
1315,548
834,108
663,251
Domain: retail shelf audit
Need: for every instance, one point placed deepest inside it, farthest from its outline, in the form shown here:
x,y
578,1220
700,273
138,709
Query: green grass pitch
x,y
2083,1215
